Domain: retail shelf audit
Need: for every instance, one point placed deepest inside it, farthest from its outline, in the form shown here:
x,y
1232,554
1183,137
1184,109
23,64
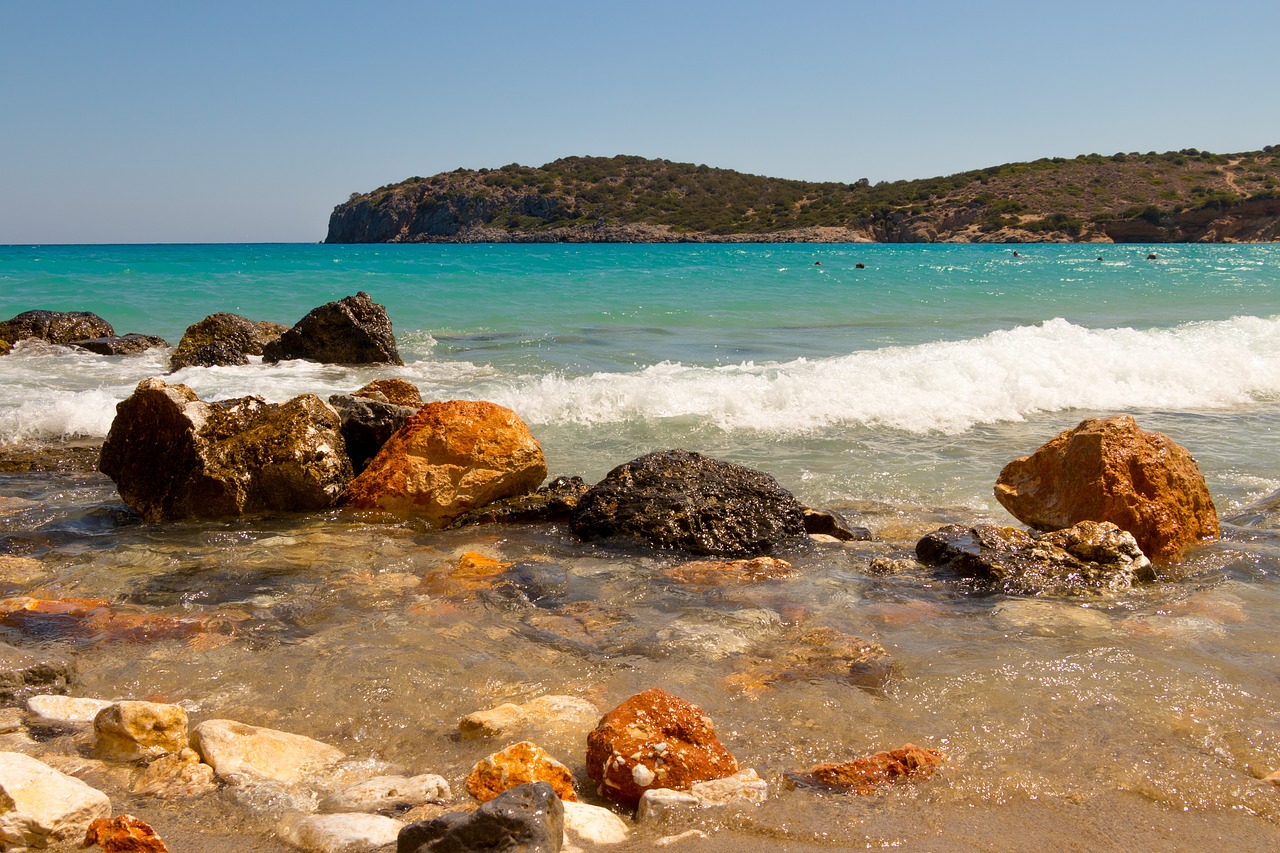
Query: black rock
x,y
555,501
833,524
223,340
367,424
354,330
130,344
56,327
25,673
529,819
684,501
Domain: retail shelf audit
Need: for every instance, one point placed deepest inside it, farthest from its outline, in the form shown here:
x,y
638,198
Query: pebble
x,y
591,825
339,833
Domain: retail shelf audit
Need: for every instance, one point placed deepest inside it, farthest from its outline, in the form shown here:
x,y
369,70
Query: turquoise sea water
x,y
894,393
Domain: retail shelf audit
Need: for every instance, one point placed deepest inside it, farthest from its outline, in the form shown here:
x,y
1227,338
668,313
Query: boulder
x,y
450,458
688,502
123,834
130,344
516,765
173,456
55,327
40,805
1108,469
526,819
1086,558
223,340
340,833
396,391
237,750
367,423
654,740
556,501
354,330
25,673
127,731
864,775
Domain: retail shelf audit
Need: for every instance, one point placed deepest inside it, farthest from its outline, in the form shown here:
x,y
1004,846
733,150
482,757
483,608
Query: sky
x,y
175,121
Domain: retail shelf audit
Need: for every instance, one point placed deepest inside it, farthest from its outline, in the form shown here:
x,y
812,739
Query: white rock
x,y
547,712
659,803
39,805
64,710
339,833
742,788
238,750
388,792
588,824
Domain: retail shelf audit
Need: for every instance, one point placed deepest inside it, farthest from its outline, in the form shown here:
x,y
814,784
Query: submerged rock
x,y
807,654
527,819
519,764
654,740
130,344
1107,469
388,792
556,501
173,456
742,788
224,340
450,458
25,674
685,501
353,330
55,327
546,712
819,522
723,572
1088,557
864,775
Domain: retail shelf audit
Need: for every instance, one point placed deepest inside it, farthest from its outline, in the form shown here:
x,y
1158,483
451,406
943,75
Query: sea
x,y
890,383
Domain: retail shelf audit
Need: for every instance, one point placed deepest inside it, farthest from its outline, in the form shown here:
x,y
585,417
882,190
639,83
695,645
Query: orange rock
x,y
472,571
398,392
448,459
516,765
123,834
96,619
863,775
655,740
722,572
1107,469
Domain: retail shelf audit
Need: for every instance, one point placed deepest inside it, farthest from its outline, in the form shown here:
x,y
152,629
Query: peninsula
x,y
1178,196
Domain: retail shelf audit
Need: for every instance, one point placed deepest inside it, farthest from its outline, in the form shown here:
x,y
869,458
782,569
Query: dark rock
x,y
527,819
367,423
685,501
223,340
833,524
1089,557
1263,514
26,673
173,456
130,344
354,330
56,327
555,501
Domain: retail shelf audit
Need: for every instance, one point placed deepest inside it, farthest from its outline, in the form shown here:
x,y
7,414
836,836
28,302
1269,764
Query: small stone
x,y
396,391
546,712
42,805
663,803
24,673
722,572
339,833
237,750
742,788
388,792
587,824
177,776
492,722
528,818
127,731
49,710
516,765
864,775
123,834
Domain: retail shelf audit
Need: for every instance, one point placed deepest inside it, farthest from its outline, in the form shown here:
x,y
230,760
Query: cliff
x,y
1184,196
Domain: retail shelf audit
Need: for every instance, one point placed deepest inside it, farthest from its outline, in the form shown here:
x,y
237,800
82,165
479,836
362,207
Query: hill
x,y
1179,196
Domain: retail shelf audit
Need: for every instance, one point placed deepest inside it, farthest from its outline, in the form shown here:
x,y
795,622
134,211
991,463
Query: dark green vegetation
x,y
632,198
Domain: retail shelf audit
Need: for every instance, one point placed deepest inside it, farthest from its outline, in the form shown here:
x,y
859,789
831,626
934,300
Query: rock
x,y
1021,564
49,710
685,501
174,457
354,330
517,765
1107,469
25,673
864,775
832,524
654,740
545,712
397,392
448,459
21,570
722,572
591,825
130,344
176,776
55,327
96,621
123,834
526,819
367,424
39,805
239,750
224,340
556,501
127,731
742,788
388,792
809,654
339,833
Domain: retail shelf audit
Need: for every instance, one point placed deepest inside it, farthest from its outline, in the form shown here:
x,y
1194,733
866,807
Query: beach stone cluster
x,y
82,329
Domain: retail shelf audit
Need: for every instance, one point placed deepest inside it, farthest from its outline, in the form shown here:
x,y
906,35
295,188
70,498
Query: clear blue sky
x,y
124,121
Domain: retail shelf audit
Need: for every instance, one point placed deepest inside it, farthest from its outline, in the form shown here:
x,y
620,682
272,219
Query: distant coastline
x,y
1176,197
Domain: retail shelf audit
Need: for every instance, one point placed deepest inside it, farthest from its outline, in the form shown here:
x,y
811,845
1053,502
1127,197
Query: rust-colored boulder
x,y
519,764
123,834
450,458
863,775
1107,469
654,740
